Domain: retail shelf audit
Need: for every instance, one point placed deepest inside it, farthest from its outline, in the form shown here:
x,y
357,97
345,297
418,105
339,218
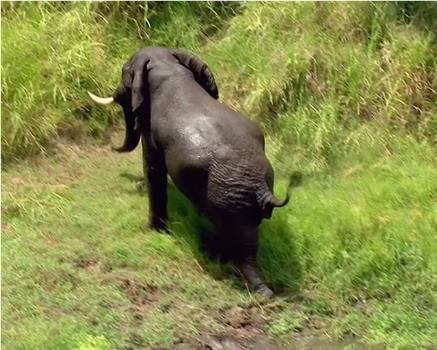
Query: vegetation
x,y
346,93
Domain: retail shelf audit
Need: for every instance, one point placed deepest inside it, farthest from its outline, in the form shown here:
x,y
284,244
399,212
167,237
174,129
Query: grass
x,y
97,270
353,250
345,93
62,54
65,50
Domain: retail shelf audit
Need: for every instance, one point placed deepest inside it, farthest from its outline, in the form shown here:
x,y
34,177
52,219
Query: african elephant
x,y
214,155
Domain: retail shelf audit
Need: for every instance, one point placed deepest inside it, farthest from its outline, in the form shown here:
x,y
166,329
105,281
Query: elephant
x,y
214,155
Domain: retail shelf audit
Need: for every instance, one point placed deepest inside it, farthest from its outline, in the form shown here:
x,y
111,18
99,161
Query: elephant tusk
x,y
101,100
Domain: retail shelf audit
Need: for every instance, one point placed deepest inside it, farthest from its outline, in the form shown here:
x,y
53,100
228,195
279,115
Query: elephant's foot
x,y
264,291
254,280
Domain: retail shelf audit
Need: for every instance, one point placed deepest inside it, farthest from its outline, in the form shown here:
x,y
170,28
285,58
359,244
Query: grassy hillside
x,y
346,93
324,66
53,53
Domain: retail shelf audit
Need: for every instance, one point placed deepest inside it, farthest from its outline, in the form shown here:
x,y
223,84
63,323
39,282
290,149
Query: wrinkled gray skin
x,y
213,154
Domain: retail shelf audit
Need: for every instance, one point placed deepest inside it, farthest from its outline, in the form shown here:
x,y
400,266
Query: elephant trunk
x,y
133,132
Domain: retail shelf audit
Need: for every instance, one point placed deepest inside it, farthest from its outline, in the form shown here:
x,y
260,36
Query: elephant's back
x,y
221,167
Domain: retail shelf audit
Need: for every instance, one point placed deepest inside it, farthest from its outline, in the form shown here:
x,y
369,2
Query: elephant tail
x,y
268,201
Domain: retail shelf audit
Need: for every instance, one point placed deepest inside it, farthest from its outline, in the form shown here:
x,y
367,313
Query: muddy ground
x,y
245,330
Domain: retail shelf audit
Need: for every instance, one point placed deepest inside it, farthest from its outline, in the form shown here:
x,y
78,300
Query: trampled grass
x,y
346,93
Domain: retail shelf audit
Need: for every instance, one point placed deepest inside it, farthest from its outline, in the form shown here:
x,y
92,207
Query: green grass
x,y
353,249
51,55
346,94
91,275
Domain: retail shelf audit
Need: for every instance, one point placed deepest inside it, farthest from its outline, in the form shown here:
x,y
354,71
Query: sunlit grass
x,y
346,94
50,57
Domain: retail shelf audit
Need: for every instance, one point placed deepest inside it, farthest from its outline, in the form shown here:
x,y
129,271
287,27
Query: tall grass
x,y
51,55
312,71
320,67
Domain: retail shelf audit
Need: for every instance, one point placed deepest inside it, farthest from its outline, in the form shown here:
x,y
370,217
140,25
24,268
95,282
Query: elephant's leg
x,y
246,260
219,246
156,174
142,185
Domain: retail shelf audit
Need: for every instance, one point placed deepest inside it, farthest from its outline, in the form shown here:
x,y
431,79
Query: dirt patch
x,y
87,263
263,342
143,297
227,342
310,342
60,166
245,324
244,328
140,294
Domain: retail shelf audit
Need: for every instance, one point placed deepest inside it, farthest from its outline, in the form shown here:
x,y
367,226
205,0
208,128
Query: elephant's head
x,y
133,92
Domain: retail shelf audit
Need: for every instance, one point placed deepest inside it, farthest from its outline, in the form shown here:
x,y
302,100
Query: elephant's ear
x,y
134,78
200,70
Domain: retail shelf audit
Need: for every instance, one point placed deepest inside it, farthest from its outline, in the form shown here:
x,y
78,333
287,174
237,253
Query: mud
x,y
263,342
245,330
86,263
142,296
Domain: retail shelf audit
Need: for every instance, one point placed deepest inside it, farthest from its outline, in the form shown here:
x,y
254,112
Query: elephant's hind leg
x,y
218,246
245,259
